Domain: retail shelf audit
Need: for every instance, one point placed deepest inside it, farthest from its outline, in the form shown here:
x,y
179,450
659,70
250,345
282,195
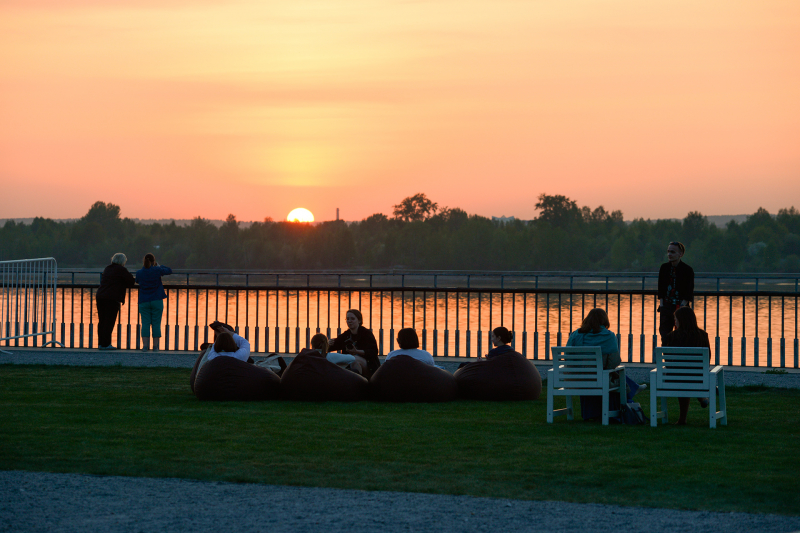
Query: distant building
x,y
503,220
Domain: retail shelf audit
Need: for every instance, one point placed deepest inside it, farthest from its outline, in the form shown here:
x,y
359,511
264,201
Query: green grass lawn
x,y
146,422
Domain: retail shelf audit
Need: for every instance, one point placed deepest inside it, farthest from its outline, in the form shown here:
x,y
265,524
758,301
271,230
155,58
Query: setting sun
x,y
300,215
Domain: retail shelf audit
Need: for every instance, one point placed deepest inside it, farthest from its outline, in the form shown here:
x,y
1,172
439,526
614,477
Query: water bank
x,y
734,376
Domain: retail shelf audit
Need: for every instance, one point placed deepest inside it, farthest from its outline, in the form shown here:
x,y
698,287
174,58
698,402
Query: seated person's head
x,y
225,343
320,342
594,319
407,338
501,336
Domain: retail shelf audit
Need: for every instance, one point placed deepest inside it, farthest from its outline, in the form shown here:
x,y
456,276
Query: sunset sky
x,y
184,108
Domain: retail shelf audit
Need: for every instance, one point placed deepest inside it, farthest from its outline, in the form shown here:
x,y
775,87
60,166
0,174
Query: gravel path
x,y
35,502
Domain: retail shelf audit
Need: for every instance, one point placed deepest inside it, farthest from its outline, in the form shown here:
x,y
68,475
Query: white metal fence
x,y
27,301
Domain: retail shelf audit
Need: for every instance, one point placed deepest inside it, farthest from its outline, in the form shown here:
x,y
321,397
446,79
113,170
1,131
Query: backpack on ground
x,y
632,414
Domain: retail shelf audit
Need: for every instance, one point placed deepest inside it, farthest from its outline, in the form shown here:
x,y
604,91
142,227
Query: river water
x,y
449,324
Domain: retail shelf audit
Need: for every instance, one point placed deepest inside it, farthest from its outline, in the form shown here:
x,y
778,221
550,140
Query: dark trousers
x,y
107,316
666,322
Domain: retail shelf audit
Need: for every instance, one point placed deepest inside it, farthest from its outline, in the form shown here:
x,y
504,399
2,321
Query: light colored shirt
x,y
416,353
242,352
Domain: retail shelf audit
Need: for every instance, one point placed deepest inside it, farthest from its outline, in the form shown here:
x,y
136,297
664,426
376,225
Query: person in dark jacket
x,y
359,342
110,295
501,340
687,334
151,299
675,287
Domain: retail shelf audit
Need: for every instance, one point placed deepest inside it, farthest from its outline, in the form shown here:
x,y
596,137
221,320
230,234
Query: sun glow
x,y
300,215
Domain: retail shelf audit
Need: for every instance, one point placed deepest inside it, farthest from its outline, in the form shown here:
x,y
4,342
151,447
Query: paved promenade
x,y
734,376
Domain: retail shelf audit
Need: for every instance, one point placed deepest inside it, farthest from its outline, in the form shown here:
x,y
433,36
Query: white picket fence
x,y
27,300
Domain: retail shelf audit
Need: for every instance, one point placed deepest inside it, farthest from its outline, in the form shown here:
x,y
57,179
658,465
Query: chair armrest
x,y
654,371
716,370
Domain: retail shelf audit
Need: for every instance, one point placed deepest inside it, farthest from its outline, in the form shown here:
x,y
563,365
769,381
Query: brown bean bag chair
x,y
193,375
228,379
405,379
312,378
507,377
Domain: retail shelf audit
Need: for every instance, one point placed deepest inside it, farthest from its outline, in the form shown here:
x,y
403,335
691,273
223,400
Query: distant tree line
x,y
421,235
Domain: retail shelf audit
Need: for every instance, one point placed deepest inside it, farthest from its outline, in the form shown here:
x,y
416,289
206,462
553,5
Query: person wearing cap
x,y
675,287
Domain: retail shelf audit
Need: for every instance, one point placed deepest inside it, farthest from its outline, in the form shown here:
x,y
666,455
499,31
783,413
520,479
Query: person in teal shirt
x,y
594,332
151,299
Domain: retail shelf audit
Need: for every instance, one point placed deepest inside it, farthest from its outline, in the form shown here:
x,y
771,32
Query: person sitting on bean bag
x,y
312,377
359,342
410,375
504,375
230,344
319,343
501,340
409,345
225,372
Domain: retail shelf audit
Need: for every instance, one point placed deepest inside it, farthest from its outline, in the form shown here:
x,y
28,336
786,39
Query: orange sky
x,y
180,108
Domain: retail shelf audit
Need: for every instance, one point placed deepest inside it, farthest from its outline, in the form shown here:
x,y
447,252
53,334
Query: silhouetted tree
x,y
415,208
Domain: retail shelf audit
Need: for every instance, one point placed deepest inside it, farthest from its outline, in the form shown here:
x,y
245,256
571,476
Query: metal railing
x,y
27,300
451,321
453,279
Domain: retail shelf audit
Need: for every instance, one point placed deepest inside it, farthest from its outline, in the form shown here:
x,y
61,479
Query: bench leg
x,y
723,406
712,407
653,400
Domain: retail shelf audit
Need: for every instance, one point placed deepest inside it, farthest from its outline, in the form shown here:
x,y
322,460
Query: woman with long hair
x,y
594,332
151,299
687,334
359,342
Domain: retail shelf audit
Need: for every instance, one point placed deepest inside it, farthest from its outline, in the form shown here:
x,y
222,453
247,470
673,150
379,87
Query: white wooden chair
x,y
578,371
684,373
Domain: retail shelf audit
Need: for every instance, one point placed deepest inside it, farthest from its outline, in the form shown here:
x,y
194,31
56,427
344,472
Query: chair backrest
x,y
578,367
682,368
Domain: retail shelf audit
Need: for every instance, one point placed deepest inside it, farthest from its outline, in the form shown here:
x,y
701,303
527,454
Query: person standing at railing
x,y
151,299
110,296
359,342
687,334
675,287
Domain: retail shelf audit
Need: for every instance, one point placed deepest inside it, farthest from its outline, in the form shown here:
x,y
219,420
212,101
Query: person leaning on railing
x,y
675,287
359,342
151,299
110,295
